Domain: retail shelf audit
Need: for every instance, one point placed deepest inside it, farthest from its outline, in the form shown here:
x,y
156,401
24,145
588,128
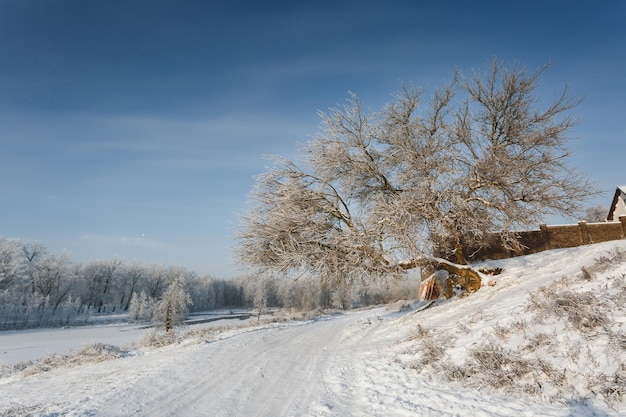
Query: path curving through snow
x,y
270,372
339,366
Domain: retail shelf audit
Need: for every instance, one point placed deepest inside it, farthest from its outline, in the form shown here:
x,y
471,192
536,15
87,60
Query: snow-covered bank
x,y
551,328
33,344
24,345
357,364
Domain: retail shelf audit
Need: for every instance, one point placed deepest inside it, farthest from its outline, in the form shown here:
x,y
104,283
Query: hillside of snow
x,y
546,337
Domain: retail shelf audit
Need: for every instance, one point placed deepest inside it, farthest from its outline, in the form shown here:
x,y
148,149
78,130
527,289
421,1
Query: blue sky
x,y
134,128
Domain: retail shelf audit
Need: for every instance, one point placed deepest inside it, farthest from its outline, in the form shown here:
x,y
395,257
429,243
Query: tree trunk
x,y
464,276
169,320
459,256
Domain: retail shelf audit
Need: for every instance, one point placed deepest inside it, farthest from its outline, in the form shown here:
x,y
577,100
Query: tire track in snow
x,y
272,372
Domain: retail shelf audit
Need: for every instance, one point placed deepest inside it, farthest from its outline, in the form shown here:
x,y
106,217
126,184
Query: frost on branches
x,y
173,307
379,193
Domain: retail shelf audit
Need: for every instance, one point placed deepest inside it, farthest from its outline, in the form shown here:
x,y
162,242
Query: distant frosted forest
x,y
40,289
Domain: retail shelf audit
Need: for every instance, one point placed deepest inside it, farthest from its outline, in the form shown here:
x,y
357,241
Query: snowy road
x,y
339,366
279,371
271,372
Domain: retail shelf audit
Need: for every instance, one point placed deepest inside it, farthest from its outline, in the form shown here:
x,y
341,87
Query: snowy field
x,y
374,362
23,345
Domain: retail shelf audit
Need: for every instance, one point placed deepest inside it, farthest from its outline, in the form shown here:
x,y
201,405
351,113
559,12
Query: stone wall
x,y
550,237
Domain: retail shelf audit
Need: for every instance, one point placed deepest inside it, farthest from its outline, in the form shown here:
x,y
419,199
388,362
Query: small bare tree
x,y
379,193
596,214
171,309
259,300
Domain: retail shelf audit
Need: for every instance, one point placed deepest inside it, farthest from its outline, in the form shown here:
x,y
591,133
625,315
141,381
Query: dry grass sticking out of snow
x,y
92,353
566,342
188,335
23,411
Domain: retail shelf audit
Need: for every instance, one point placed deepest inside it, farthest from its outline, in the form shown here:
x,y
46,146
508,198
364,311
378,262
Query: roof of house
x,y
621,189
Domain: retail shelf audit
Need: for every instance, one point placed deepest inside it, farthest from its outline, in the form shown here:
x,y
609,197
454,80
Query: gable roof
x,y
620,190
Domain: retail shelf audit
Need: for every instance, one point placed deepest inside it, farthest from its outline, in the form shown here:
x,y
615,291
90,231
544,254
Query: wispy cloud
x,y
140,241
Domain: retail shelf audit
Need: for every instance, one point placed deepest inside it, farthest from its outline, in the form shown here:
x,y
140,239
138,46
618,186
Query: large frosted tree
x,y
378,193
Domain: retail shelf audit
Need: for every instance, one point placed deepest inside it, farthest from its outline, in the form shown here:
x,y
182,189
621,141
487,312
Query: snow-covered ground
x,y
23,345
363,363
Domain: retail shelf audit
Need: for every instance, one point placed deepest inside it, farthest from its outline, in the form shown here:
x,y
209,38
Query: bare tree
x,y
142,306
171,309
379,193
156,280
53,279
12,265
33,250
133,274
100,279
596,214
259,299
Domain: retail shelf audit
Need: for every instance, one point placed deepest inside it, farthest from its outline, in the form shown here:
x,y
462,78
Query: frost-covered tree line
x,y
377,193
306,293
38,288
